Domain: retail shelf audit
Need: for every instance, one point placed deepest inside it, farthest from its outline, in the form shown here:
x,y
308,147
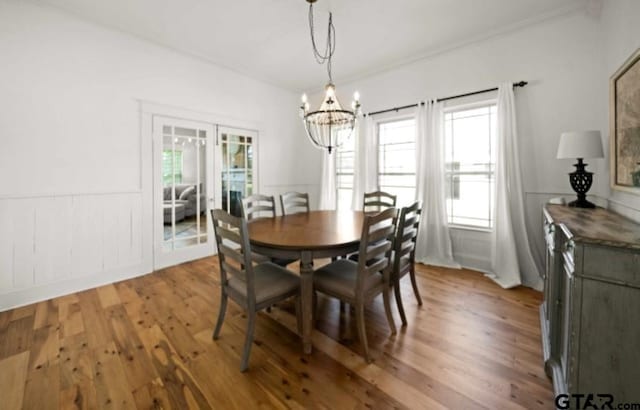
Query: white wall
x,y
75,181
560,58
621,29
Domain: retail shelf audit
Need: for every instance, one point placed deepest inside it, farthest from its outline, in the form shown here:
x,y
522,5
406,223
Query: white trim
x,y
32,294
69,194
179,113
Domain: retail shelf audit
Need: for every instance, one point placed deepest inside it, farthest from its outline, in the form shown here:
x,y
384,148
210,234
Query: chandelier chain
x,y
330,46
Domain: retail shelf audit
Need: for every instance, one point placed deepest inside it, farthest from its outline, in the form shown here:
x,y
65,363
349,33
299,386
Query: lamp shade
x,y
580,144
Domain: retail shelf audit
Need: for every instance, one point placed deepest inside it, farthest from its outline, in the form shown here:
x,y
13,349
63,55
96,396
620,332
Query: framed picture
x,y
624,124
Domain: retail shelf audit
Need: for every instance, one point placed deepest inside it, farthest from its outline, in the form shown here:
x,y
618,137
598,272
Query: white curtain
x,y
328,181
365,178
510,251
433,245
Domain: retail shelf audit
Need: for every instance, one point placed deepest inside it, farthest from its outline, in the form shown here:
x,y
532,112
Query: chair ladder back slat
x,y
294,202
378,201
258,206
234,271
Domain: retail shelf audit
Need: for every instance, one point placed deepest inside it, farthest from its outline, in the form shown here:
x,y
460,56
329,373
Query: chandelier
x,y
330,125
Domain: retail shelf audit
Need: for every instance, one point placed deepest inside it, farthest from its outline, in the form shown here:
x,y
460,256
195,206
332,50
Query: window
x,y
397,159
470,152
345,157
171,166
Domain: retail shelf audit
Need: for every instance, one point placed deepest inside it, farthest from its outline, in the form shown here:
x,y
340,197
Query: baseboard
x,y
21,297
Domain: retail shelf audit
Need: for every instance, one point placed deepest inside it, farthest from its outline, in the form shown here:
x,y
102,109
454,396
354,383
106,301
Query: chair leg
x,y
221,313
244,365
412,273
361,330
398,295
387,309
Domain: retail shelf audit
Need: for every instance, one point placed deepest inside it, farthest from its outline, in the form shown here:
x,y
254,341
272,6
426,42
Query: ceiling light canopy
x,y
331,124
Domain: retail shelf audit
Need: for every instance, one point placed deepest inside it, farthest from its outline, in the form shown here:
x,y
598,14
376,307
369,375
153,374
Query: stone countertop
x,y
598,226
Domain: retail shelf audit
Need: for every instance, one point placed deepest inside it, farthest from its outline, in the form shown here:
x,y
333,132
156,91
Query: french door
x,y
236,166
183,153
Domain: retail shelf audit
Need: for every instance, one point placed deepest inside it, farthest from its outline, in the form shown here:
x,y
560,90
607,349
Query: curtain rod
x,y
518,84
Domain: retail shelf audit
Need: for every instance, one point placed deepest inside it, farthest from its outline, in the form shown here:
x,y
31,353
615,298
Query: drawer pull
x,y
569,246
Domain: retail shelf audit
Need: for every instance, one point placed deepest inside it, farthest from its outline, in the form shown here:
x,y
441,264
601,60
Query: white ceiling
x,y
269,39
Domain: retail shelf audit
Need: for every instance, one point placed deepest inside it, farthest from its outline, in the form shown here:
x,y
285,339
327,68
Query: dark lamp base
x,y
581,182
581,203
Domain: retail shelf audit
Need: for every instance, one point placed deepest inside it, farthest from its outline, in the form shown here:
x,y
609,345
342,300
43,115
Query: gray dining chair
x,y
404,254
261,206
378,201
294,202
253,287
357,283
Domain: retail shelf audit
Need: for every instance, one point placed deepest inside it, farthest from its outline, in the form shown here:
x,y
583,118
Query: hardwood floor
x,y
146,343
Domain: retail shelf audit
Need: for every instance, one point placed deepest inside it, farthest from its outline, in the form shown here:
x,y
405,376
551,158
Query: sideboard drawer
x,y
613,264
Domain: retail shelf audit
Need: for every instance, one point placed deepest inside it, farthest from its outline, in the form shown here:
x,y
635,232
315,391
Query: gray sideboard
x,y
590,315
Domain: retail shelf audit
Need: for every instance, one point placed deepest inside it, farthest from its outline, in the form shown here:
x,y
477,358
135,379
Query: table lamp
x,y
580,145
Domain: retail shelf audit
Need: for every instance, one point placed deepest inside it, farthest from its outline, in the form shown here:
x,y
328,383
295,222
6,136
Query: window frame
x,y
490,102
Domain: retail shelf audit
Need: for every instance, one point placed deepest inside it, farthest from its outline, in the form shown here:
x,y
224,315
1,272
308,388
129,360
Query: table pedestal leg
x,y
306,294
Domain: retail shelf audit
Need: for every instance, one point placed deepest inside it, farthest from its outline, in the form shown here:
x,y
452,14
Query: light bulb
x,y
304,99
330,90
356,96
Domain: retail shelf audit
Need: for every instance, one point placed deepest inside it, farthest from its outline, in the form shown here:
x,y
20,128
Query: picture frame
x,y
624,125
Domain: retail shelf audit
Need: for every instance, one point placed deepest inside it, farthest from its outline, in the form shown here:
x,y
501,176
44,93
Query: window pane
x,y
345,157
396,159
470,141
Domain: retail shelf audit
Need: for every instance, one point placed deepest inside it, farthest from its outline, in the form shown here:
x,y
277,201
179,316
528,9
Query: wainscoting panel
x,y
23,227
52,245
52,255
472,249
6,246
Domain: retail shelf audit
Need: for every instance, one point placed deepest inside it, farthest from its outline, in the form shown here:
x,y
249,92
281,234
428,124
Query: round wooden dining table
x,y
305,236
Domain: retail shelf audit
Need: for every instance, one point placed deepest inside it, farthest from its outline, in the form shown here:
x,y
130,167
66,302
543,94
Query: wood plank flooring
x,y
146,343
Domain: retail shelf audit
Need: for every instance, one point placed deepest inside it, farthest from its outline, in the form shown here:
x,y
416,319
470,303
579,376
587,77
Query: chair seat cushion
x,y
270,281
339,278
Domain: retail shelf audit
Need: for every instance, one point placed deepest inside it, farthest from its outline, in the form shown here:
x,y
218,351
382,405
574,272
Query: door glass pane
x,y
237,171
184,187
